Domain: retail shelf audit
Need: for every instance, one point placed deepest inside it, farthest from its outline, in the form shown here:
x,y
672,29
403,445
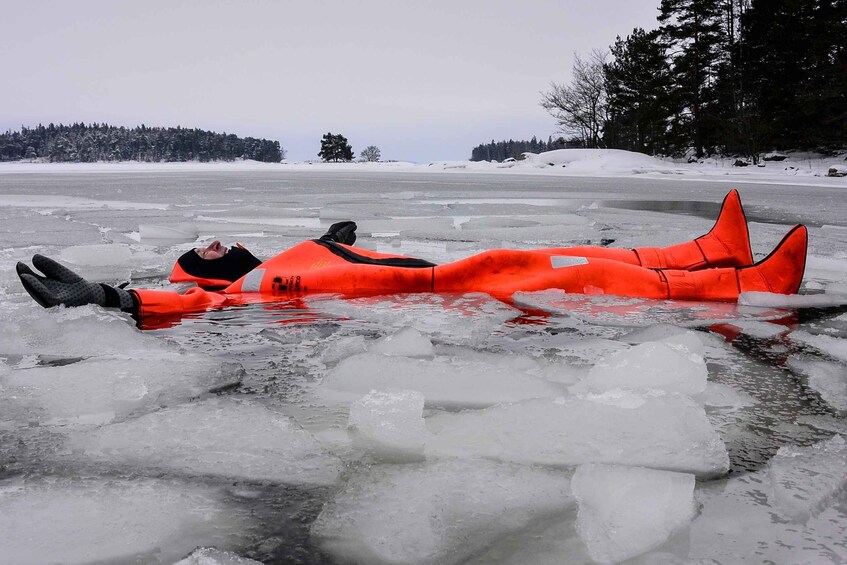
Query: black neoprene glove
x,y
341,232
60,285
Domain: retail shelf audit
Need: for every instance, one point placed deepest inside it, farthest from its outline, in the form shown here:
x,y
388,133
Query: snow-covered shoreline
x,y
797,168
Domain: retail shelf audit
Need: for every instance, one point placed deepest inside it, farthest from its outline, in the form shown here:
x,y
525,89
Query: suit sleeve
x,y
169,302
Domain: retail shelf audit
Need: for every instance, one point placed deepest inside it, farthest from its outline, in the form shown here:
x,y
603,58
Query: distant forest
x,y
102,142
718,77
501,150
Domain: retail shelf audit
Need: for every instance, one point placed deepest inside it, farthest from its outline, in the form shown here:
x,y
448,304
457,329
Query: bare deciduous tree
x,y
370,153
580,107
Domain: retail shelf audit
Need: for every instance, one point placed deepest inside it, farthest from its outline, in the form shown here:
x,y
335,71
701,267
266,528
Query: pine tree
x,y
335,148
637,81
693,33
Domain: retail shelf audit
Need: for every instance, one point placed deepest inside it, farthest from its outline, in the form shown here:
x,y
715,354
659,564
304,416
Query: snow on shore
x,y
803,167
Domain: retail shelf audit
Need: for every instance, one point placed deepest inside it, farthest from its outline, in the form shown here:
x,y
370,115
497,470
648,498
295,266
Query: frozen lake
x,y
417,428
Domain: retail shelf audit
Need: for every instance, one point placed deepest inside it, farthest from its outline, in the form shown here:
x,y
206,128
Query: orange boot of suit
x,y
781,272
726,245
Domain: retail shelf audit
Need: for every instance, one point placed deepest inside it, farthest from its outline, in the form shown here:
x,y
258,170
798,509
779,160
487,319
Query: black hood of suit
x,y
236,263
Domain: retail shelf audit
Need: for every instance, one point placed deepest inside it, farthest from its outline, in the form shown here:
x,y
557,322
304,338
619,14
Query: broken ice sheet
x,y
658,430
389,425
649,365
110,262
84,331
407,342
828,378
740,523
639,312
625,511
436,513
833,346
467,379
100,390
62,520
805,479
212,556
467,319
220,436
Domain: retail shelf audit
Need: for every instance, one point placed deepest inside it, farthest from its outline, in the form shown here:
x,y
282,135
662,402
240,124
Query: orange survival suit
x,y
318,266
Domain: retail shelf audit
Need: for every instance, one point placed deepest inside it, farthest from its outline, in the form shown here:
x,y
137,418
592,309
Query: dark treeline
x,y
730,77
501,150
102,142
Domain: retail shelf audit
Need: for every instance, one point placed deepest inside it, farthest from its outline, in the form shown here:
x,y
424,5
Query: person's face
x,y
214,251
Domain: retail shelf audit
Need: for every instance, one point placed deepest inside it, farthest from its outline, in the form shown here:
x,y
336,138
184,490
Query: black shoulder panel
x,y
353,257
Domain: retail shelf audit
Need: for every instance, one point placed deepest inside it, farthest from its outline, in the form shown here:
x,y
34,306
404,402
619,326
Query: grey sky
x,y
421,80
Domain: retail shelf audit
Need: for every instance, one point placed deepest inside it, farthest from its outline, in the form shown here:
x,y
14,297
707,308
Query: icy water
x,y
417,428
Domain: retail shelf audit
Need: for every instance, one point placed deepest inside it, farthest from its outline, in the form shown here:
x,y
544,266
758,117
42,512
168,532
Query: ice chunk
x,y
653,332
407,342
469,381
649,365
582,351
767,299
739,519
805,479
832,346
673,336
59,520
837,290
224,437
389,425
541,544
96,255
458,319
334,351
718,395
626,511
212,556
437,513
108,262
596,308
29,329
665,431
829,379
760,330
153,234
96,391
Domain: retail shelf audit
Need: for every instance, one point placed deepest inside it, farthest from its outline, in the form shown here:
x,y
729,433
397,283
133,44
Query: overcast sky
x,y
422,80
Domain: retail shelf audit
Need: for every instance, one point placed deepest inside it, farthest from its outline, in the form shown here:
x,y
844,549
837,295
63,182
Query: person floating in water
x,y
717,266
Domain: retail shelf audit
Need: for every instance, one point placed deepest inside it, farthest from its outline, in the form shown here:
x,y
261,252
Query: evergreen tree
x,y
692,31
102,142
637,81
502,150
797,69
335,148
